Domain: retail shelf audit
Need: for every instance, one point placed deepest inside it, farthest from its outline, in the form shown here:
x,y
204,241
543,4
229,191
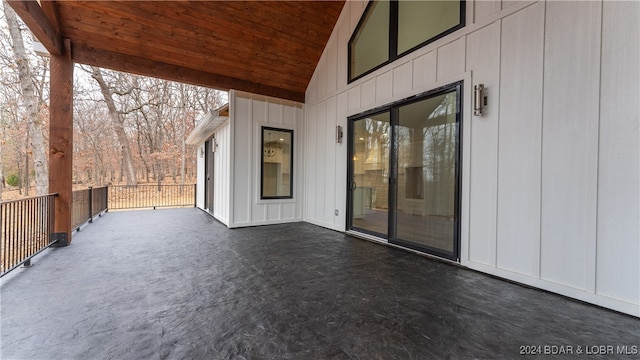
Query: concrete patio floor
x,y
176,284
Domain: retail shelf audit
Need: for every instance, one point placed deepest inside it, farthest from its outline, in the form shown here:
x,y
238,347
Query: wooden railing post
x,y
61,142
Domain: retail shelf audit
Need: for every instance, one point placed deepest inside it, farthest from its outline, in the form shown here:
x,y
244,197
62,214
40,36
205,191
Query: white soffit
x,y
208,125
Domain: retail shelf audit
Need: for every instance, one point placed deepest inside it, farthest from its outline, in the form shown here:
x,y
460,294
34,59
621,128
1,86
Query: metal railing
x,y
88,203
26,227
27,224
151,196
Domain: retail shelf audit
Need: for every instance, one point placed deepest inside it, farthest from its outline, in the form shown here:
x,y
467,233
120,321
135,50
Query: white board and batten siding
x,y
618,214
221,175
221,171
200,183
248,114
550,174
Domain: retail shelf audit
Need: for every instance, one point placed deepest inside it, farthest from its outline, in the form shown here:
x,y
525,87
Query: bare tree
x,y
142,129
183,138
1,162
12,136
36,139
118,125
95,142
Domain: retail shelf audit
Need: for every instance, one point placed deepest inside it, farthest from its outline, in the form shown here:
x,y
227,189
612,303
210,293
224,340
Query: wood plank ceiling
x,y
264,47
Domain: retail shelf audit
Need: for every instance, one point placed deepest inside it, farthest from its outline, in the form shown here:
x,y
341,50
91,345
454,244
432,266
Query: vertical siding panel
x,y
322,77
311,96
320,162
570,143
221,175
424,70
274,115
618,236
384,87
288,211
451,58
354,99
273,211
369,93
519,159
310,166
259,114
402,79
200,176
299,160
510,4
330,168
483,52
341,163
242,164
258,111
289,116
484,8
343,39
226,169
332,65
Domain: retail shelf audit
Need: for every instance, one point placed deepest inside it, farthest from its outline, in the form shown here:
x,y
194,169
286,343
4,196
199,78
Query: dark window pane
x,y
420,21
369,46
277,163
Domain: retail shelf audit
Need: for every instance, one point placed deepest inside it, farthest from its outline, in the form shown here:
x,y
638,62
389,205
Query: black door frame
x,y
393,109
350,182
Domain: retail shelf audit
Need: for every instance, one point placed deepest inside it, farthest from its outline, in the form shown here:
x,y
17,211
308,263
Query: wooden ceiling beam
x,y
129,41
132,64
51,11
38,22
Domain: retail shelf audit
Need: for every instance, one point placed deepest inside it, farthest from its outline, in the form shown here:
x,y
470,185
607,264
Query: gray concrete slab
x,y
175,284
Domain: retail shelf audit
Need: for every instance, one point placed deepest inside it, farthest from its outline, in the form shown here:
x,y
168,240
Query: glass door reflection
x,y
370,174
404,172
427,176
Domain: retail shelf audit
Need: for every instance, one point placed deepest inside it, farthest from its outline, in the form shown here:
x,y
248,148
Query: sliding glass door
x,y
370,138
405,174
427,164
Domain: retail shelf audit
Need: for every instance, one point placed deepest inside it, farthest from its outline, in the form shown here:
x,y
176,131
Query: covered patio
x,y
176,284
548,175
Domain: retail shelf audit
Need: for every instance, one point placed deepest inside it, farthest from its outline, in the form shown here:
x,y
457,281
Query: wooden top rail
x,y
28,198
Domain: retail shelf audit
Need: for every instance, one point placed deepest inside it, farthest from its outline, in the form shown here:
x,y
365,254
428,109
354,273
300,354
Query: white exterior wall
x,y
551,174
221,173
200,176
248,113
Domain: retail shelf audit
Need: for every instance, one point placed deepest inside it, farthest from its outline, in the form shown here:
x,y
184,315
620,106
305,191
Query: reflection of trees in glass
x,y
404,136
431,141
439,146
377,142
